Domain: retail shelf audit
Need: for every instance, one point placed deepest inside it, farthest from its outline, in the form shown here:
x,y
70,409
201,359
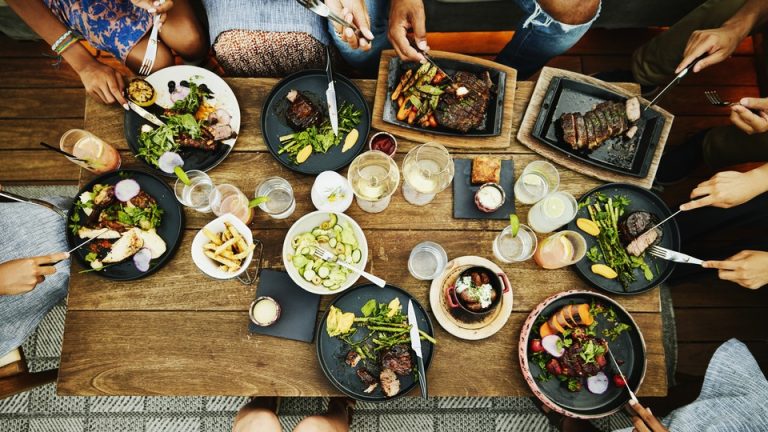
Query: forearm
x,y
751,15
760,179
45,24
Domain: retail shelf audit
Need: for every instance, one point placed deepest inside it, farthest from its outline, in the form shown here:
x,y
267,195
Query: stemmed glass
x,y
374,177
428,170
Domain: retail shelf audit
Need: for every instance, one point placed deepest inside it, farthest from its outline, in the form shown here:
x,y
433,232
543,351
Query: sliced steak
x,y
568,123
302,113
368,379
581,132
397,359
464,113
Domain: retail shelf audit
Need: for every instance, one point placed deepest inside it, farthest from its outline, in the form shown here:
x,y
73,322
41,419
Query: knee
x,y
315,424
571,12
193,45
256,420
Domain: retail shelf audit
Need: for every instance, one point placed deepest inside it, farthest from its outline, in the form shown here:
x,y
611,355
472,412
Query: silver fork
x,y
327,256
714,98
321,9
41,203
149,56
671,255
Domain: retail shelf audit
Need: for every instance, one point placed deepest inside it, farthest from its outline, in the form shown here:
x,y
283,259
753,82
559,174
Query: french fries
x,y
417,94
227,248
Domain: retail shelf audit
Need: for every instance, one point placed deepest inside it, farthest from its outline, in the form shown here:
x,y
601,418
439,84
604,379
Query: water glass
x,y
428,169
537,180
561,249
552,212
281,202
226,198
197,194
427,260
510,248
94,154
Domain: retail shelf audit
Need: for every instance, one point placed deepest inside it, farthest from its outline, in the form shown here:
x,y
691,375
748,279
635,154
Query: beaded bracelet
x,y
61,39
69,38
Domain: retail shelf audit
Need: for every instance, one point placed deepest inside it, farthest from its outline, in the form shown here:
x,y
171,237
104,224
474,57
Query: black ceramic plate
x,y
491,125
628,349
640,199
464,192
170,228
331,352
626,156
313,84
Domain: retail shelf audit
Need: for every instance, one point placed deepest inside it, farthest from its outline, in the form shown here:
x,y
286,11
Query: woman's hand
x,y
22,275
407,15
103,83
718,44
747,268
353,11
747,120
645,421
725,190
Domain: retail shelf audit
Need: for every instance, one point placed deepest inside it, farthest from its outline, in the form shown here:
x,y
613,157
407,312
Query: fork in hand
x,y
149,55
327,256
321,9
714,98
670,255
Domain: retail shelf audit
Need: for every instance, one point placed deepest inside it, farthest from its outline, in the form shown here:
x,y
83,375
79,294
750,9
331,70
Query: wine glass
x,y
374,177
428,170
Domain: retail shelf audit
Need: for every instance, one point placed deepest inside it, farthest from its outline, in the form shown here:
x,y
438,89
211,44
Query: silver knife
x,y
432,62
330,95
416,347
616,365
88,240
662,222
674,81
146,115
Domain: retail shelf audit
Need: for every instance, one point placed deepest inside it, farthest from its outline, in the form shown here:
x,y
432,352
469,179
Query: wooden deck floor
x,y
40,102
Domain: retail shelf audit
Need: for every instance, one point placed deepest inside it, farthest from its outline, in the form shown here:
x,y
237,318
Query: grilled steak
x,y
302,113
633,231
390,384
574,365
466,112
204,142
606,120
368,379
397,359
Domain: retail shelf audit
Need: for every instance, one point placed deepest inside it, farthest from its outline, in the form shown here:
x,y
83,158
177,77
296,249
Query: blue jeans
x,y
538,39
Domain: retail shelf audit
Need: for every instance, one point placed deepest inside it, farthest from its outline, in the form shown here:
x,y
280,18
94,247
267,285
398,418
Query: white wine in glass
x,y
374,177
428,170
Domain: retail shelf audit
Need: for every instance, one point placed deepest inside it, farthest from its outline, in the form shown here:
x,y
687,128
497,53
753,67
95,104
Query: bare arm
x,y
100,80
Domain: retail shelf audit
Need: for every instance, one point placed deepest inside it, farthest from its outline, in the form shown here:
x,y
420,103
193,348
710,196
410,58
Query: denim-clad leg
x,y
538,39
367,62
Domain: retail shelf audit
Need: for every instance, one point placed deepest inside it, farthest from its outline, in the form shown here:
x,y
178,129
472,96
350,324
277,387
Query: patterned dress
x,y
115,26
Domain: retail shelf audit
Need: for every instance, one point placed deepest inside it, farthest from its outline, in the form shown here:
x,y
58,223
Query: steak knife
x,y
674,81
146,115
330,95
616,365
416,347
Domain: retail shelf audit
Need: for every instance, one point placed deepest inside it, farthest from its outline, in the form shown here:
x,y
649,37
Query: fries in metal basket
x,y
227,248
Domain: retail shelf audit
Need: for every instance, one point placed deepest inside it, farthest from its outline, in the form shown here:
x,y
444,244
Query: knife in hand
x,y
675,81
416,347
146,115
330,95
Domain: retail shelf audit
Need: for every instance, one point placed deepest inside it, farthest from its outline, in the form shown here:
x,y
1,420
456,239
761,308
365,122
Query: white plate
x,y
223,97
211,267
306,224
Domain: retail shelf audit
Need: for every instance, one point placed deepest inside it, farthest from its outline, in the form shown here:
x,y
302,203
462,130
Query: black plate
x,y
170,228
332,351
491,125
194,159
313,83
628,347
631,157
640,199
464,191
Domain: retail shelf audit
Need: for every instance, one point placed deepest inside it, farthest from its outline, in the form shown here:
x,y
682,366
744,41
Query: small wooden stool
x,y
15,376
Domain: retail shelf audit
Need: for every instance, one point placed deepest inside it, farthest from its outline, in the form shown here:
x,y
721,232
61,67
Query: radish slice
x,y
169,161
142,258
126,189
597,383
550,344
180,93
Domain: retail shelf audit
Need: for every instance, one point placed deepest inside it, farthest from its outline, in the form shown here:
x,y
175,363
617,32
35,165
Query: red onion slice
x,y
142,258
550,344
169,161
126,189
597,383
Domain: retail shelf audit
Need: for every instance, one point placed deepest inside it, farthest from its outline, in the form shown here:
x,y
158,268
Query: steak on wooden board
x,y
302,113
606,120
467,112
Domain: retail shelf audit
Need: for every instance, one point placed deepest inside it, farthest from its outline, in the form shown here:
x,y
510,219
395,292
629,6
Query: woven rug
x,y
41,410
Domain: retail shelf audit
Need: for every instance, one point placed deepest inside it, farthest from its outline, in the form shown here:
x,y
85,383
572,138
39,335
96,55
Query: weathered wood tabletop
x,y
179,332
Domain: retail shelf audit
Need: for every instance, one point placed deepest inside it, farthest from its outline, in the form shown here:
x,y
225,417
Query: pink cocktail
x,y
94,154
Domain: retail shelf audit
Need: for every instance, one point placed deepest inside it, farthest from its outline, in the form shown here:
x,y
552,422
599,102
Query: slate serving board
x,y
464,191
298,308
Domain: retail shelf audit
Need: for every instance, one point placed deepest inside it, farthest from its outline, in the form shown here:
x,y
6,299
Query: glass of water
x,y
427,260
510,248
280,201
195,195
537,180
552,212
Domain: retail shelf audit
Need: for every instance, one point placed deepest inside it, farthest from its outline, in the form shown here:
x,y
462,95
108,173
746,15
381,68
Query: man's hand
x,y
747,120
353,11
645,421
717,43
22,275
405,15
747,268
103,82
725,190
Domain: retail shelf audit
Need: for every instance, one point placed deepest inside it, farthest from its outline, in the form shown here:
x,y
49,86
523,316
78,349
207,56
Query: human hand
x,y
103,83
645,421
747,268
407,15
725,189
353,11
746,119
22,275
718,44
159,7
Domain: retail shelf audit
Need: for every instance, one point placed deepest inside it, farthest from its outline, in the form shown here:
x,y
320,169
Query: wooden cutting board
x,y
500,141
526,137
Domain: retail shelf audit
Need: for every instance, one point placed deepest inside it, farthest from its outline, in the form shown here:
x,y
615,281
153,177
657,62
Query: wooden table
x,y
178,332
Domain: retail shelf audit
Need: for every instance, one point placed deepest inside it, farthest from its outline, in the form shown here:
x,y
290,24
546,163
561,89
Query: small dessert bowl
x,y
490,197
264,311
